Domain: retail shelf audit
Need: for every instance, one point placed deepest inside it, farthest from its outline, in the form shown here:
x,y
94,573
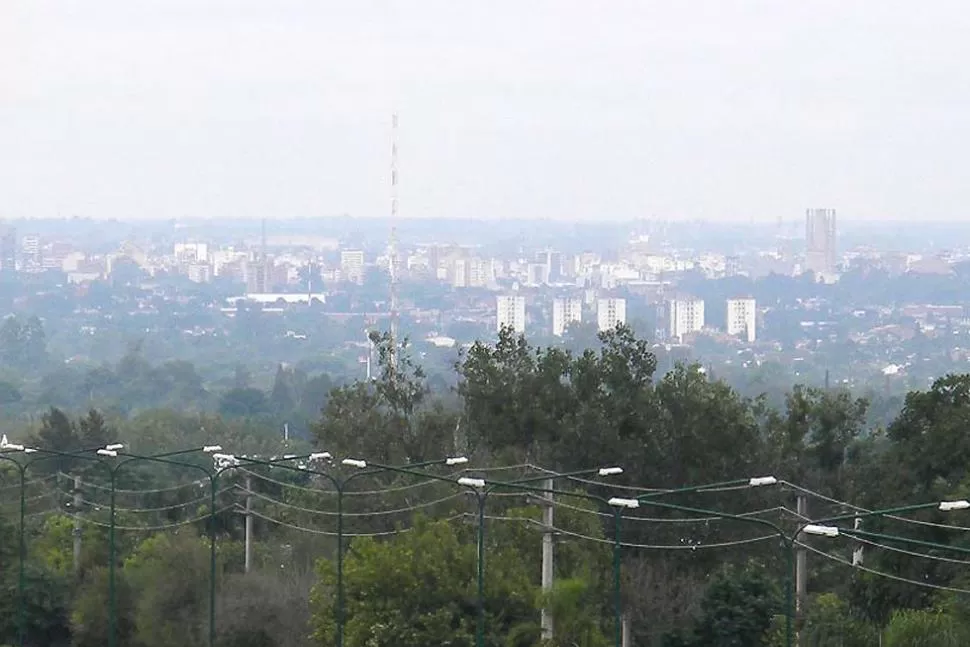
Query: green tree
x,y
925,628
419,589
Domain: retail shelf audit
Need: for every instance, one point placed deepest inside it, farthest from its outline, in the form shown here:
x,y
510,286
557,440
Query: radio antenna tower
x,y
392,247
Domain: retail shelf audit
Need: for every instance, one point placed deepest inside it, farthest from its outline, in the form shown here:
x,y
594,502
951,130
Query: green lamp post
x,y
340,487
817,527
481,489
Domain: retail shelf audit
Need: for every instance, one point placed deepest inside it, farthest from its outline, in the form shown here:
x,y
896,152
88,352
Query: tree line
x,y
410,564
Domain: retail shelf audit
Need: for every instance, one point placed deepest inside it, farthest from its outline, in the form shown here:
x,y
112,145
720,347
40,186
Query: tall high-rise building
x,y
685,316
565,312
820,239
352,265
742,317
510,313
610,313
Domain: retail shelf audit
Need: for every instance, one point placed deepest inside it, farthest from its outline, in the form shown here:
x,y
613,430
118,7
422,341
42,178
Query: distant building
x,y
565,312
352,265
510,313
8,249
199,272
30,249
684,316
610,313
821,256
191,252
742,318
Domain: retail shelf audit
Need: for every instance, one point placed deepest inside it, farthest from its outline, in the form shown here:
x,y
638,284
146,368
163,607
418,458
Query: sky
x,y
598,110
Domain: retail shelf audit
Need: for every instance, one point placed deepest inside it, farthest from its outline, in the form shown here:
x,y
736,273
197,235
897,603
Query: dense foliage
x,y
410,567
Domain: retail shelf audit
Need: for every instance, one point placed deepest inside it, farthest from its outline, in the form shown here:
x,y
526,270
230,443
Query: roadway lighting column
x,y
813,528
340,487
481,489
6,447
114,451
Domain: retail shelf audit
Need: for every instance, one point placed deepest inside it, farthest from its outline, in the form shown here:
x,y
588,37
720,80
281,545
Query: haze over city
x,y
714,110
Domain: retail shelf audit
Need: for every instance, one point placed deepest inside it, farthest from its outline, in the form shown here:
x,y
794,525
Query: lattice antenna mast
x,y
392,247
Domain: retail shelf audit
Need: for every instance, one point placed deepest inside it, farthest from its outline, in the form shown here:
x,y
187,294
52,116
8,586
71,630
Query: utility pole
x,y
801,561
548,558
249,523
77,526
627,638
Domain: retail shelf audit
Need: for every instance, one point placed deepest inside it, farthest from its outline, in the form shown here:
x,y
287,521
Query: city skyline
x,y
720,111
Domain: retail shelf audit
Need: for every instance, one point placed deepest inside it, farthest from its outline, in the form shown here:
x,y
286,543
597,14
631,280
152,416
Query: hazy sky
x,y
713,109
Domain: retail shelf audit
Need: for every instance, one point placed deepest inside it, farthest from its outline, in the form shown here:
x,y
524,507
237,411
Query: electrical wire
x,y
935,558
873,571
327,533
332,513
610,542
754,513
175,506
168,526
197,483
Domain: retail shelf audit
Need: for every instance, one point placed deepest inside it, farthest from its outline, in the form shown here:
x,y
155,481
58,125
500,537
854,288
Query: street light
x,y
340,486
11,448
482,488
818,527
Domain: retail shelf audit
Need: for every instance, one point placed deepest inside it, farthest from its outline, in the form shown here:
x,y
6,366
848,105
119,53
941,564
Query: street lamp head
x,y
209,449
821,531
759,481
947,506
107,452
354,462
478,484
610,471
223,461
619,502
29,450
456,460
114,447
289,457
15,447
320,456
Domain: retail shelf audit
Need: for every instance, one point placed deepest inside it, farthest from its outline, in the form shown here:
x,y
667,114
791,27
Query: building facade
x,y
610,313
565,312
742,318
821,255
685,316
510,313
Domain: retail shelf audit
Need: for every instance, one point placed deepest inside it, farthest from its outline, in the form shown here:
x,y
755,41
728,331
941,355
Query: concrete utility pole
x,y
801,562
77,526
548,559
249,524
627,637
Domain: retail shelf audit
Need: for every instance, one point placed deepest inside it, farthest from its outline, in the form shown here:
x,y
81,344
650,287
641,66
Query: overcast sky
x,y
713,109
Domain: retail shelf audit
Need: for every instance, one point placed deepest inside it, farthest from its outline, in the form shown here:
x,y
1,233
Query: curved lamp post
x,y
6,449
114,451
482,488
340,487
817,527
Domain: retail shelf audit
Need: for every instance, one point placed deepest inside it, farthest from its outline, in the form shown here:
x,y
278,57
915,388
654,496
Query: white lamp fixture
x,y
618,502
610,471
15,447
822,531
107,452
354,462
114,447
29,450
470,482
289,457
456,460
758,481
947,506
320,456
208,449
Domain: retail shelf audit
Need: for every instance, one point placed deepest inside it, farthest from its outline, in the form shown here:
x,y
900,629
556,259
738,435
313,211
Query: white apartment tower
x,y
352,265
565,312
510,313
742,318
610,313
685,316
